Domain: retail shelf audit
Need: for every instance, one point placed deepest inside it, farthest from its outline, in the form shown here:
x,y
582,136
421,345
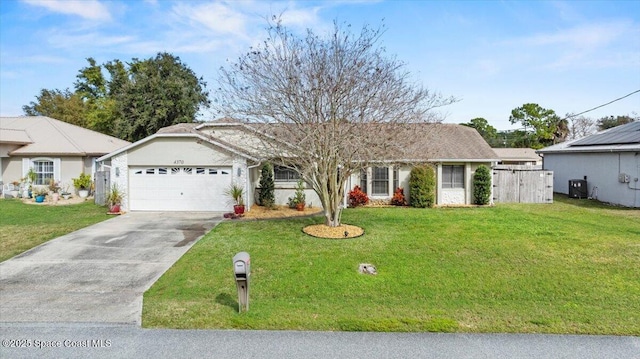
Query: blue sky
x,y
494,56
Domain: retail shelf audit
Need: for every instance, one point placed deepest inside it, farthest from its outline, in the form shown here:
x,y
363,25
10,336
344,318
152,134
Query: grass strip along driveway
x,y
567,267
24,226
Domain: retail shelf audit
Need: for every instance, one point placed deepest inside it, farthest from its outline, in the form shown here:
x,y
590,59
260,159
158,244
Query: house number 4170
x,y
178,162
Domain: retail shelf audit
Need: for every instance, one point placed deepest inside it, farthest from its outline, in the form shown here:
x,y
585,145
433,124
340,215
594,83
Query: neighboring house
x,y
188,167
609,161
54,149
518,156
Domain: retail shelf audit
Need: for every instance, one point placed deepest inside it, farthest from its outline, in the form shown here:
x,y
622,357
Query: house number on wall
x,y
178,162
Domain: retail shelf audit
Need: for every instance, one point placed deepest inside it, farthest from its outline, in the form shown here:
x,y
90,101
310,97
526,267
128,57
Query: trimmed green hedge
x,y
422,185
482,185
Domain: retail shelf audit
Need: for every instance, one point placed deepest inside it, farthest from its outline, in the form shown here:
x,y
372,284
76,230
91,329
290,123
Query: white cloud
x,y
217,17
583,37
593,45
87,9
301,18
75,39
44,59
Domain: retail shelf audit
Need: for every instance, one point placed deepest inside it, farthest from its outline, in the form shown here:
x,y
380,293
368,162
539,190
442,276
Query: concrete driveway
x,y
98,274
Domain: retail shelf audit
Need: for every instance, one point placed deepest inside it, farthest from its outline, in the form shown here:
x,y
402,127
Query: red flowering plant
x,y
398,197
357,197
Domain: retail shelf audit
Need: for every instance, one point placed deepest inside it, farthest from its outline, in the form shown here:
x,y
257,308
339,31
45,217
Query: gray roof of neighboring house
x,y
42,135
179,128
517,154
623,138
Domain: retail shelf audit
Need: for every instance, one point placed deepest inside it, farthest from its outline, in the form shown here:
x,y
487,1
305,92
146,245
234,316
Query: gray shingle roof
x,y
517,154
444,141
421,142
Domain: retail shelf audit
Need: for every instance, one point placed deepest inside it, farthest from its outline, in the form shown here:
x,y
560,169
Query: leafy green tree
x,y
267,186
90,83
162,91
100,107
64,105
482,185
543,126
130,102
422,187
488,132
609,122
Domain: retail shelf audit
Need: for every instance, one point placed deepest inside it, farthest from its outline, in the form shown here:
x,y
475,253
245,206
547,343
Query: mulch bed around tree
x,y
343,231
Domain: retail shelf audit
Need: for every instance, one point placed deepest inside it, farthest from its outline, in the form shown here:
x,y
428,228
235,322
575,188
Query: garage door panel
x,y
179,189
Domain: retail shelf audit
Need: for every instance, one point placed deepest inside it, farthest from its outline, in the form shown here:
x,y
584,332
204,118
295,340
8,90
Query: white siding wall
x,y
240,176
178,152
602,170
120,177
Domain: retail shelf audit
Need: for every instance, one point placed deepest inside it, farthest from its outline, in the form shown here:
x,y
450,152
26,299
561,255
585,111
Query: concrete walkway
x,y
98,274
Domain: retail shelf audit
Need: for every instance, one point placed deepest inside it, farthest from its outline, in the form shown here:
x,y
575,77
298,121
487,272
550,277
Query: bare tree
x,y
581,126
337,102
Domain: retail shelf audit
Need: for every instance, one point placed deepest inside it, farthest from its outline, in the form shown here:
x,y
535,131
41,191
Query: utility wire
x,y
597,107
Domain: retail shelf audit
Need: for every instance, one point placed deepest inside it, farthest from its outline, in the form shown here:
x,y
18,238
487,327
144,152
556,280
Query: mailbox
x,y
241,273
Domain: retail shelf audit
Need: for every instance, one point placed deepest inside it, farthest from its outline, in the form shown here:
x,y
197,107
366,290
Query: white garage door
x,y
179,188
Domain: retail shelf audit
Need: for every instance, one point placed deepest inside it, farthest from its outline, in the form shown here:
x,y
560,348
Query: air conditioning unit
x,y
578,188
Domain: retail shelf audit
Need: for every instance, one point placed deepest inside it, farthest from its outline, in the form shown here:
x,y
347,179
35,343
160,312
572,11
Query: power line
x,y
597,107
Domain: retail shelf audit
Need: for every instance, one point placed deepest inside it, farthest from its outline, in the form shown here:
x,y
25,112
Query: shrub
x,y
482,185
398,197
266,196
82,182
422,184
299,197
357,197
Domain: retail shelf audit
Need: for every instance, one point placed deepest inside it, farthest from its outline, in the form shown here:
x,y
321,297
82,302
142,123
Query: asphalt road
x,y
129,341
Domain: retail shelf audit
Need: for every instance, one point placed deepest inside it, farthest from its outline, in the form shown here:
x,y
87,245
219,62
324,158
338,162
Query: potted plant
x,y
65,192
82,184
39,193
54,187
298,199
236,192
30,181
114,199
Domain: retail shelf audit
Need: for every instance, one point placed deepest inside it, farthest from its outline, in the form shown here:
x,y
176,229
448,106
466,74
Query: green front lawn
x,y
569,267
24,226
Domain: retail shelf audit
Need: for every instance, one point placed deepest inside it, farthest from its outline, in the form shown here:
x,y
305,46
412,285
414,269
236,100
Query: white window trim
x,y
464,177
28,163
389,181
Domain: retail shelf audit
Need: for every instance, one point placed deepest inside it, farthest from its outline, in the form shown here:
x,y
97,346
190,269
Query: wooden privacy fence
x,y
522,184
